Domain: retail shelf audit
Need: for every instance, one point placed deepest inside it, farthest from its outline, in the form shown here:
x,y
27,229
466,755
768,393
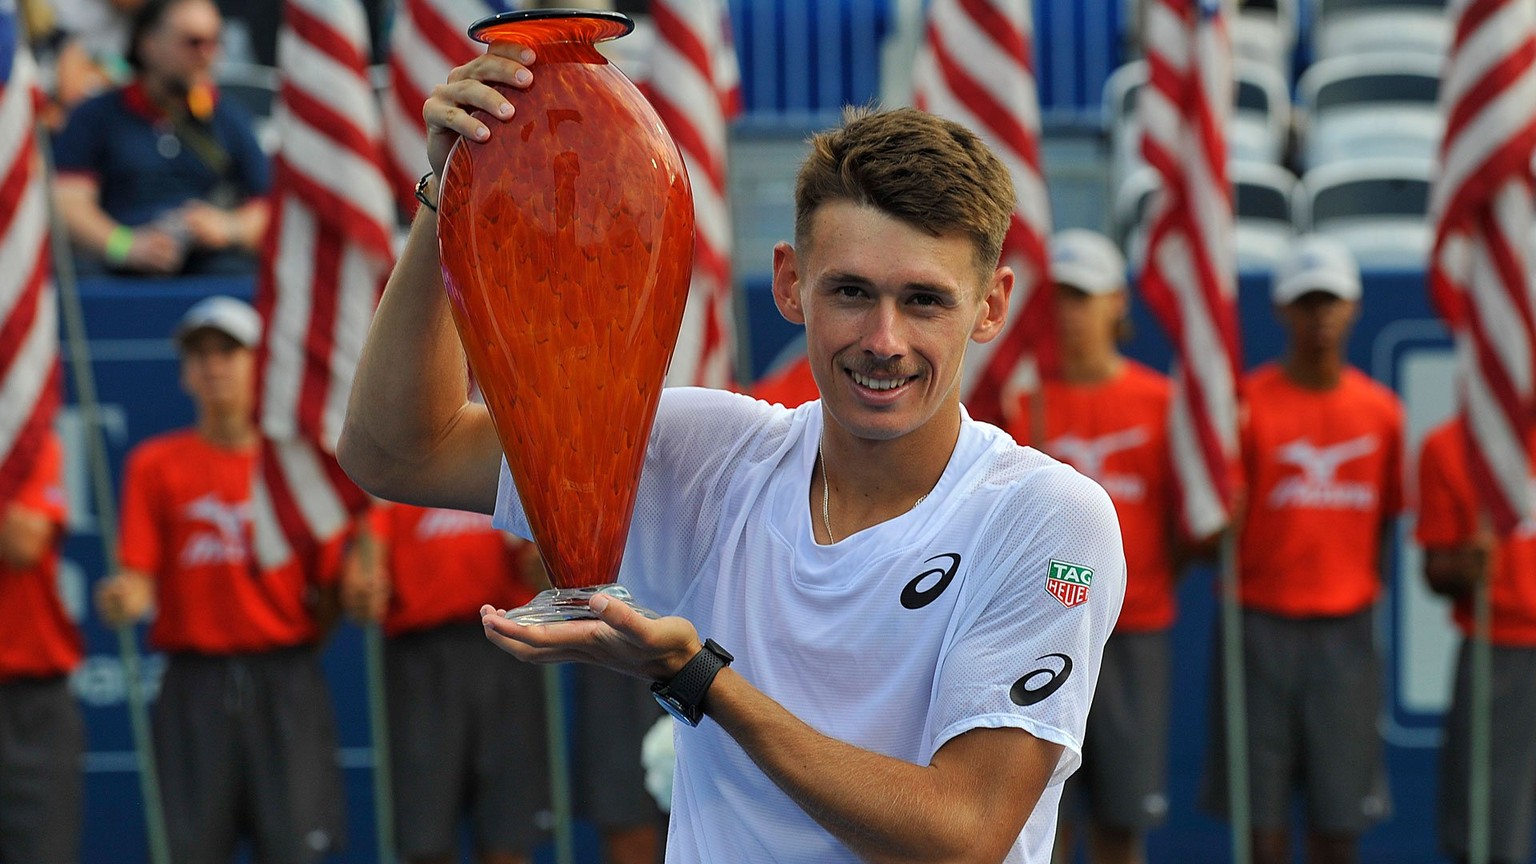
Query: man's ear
x,y
786,283
994,302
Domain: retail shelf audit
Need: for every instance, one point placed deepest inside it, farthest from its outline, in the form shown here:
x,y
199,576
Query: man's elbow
x,y
363,461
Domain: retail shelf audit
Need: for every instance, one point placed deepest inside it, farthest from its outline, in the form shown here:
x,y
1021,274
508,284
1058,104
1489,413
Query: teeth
x,y
878,383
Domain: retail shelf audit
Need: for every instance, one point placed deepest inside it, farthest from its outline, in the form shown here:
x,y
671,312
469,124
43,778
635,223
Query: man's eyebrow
x,y
844,277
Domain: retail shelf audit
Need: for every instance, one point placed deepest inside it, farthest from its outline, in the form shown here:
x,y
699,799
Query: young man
x,y
916,605
1107,416
1459,552
1322,464
41,734
244,734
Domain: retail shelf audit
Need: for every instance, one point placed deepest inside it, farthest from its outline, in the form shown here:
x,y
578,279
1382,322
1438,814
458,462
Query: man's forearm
x,y
969,805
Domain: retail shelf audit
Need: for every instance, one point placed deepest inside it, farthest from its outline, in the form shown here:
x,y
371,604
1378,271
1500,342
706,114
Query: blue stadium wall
x,y
1396,341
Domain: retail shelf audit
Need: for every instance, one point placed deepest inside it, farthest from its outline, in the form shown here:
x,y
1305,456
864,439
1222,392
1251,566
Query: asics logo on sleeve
x,y
1318,484
1037,685
914,596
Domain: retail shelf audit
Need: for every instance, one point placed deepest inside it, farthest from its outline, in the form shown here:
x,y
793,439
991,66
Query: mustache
x,y
881,370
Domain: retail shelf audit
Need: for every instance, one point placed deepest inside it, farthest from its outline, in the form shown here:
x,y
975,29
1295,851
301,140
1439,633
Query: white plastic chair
x,y
1345,28
1370,106
1377,207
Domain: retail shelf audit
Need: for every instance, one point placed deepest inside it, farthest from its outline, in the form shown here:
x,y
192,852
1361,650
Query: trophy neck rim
x,y
582,25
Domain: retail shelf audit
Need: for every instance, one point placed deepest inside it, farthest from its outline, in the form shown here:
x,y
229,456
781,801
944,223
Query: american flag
x,y
694,84
1480,266
328,251
1189,276
29,335
976,67
427,40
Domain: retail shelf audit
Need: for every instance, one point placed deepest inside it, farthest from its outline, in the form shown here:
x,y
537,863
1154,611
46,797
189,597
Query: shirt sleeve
x,y
43,491
140,544
251,163
1030,659
1446,516
79,148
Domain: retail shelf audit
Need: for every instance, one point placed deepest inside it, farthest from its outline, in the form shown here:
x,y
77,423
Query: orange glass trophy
x,y
567,247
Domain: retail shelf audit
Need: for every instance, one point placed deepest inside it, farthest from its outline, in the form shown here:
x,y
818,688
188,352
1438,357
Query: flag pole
x,y
1235,702
367,550
559,762
1480,767
106,509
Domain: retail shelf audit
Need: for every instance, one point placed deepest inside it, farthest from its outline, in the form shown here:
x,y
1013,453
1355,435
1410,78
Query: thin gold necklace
x,y
826,495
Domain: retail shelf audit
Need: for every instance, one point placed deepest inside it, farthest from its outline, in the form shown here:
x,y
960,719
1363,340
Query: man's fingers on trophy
x,y
512,51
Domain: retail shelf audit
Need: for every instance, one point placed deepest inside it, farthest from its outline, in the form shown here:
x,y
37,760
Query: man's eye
x,y
926,300
850,290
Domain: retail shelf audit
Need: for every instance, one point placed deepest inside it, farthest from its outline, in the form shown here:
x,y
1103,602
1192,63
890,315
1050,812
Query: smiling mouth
x,y
879,383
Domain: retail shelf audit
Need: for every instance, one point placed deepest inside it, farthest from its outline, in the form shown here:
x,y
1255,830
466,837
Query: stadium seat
x,y
255,88
1264,31
1346,28
1373,105
1263,201
1258,130
1377,207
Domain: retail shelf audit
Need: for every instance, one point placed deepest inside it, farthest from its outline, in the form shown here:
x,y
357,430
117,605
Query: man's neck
x,y
229,431
1317,371
875,481
1090,367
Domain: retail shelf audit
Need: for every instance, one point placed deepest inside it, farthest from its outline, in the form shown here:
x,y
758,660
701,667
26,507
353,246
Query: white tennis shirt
x,y
985,606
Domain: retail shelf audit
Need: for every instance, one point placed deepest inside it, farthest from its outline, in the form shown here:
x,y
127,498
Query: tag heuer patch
x,y
1068,583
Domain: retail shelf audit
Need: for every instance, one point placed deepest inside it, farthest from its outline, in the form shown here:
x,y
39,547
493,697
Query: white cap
x,y
1087,261
1316,263
227,315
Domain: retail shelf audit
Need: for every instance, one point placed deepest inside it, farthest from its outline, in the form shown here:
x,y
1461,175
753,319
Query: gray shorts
x,y
1512,750
246,746
466,738
1314,698
610,716
41,739
1123,778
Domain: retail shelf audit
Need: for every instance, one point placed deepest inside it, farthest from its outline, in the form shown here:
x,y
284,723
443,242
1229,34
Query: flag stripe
x,y
1480,267
1189,276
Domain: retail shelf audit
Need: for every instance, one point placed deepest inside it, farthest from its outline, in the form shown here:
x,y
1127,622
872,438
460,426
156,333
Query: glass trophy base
x,y
570,604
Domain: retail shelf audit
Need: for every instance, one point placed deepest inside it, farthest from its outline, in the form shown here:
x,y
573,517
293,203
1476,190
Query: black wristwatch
x,y
683,696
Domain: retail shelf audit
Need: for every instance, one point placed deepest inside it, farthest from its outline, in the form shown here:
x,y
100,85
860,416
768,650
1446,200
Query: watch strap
x,y
686,689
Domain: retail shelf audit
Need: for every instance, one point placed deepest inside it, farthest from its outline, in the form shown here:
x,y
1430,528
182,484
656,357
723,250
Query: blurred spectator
x,y
41,735
161,176
1322,463
1107,416
92,51
1459,552
243,726
466,722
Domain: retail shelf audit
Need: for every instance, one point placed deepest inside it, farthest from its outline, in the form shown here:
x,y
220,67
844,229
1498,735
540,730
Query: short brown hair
x,y
922,169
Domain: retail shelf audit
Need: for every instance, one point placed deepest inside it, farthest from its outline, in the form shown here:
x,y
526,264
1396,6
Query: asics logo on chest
x,y
917,594
1318,484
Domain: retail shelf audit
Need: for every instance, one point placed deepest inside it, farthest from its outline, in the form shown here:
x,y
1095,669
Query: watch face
x,y
673,708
